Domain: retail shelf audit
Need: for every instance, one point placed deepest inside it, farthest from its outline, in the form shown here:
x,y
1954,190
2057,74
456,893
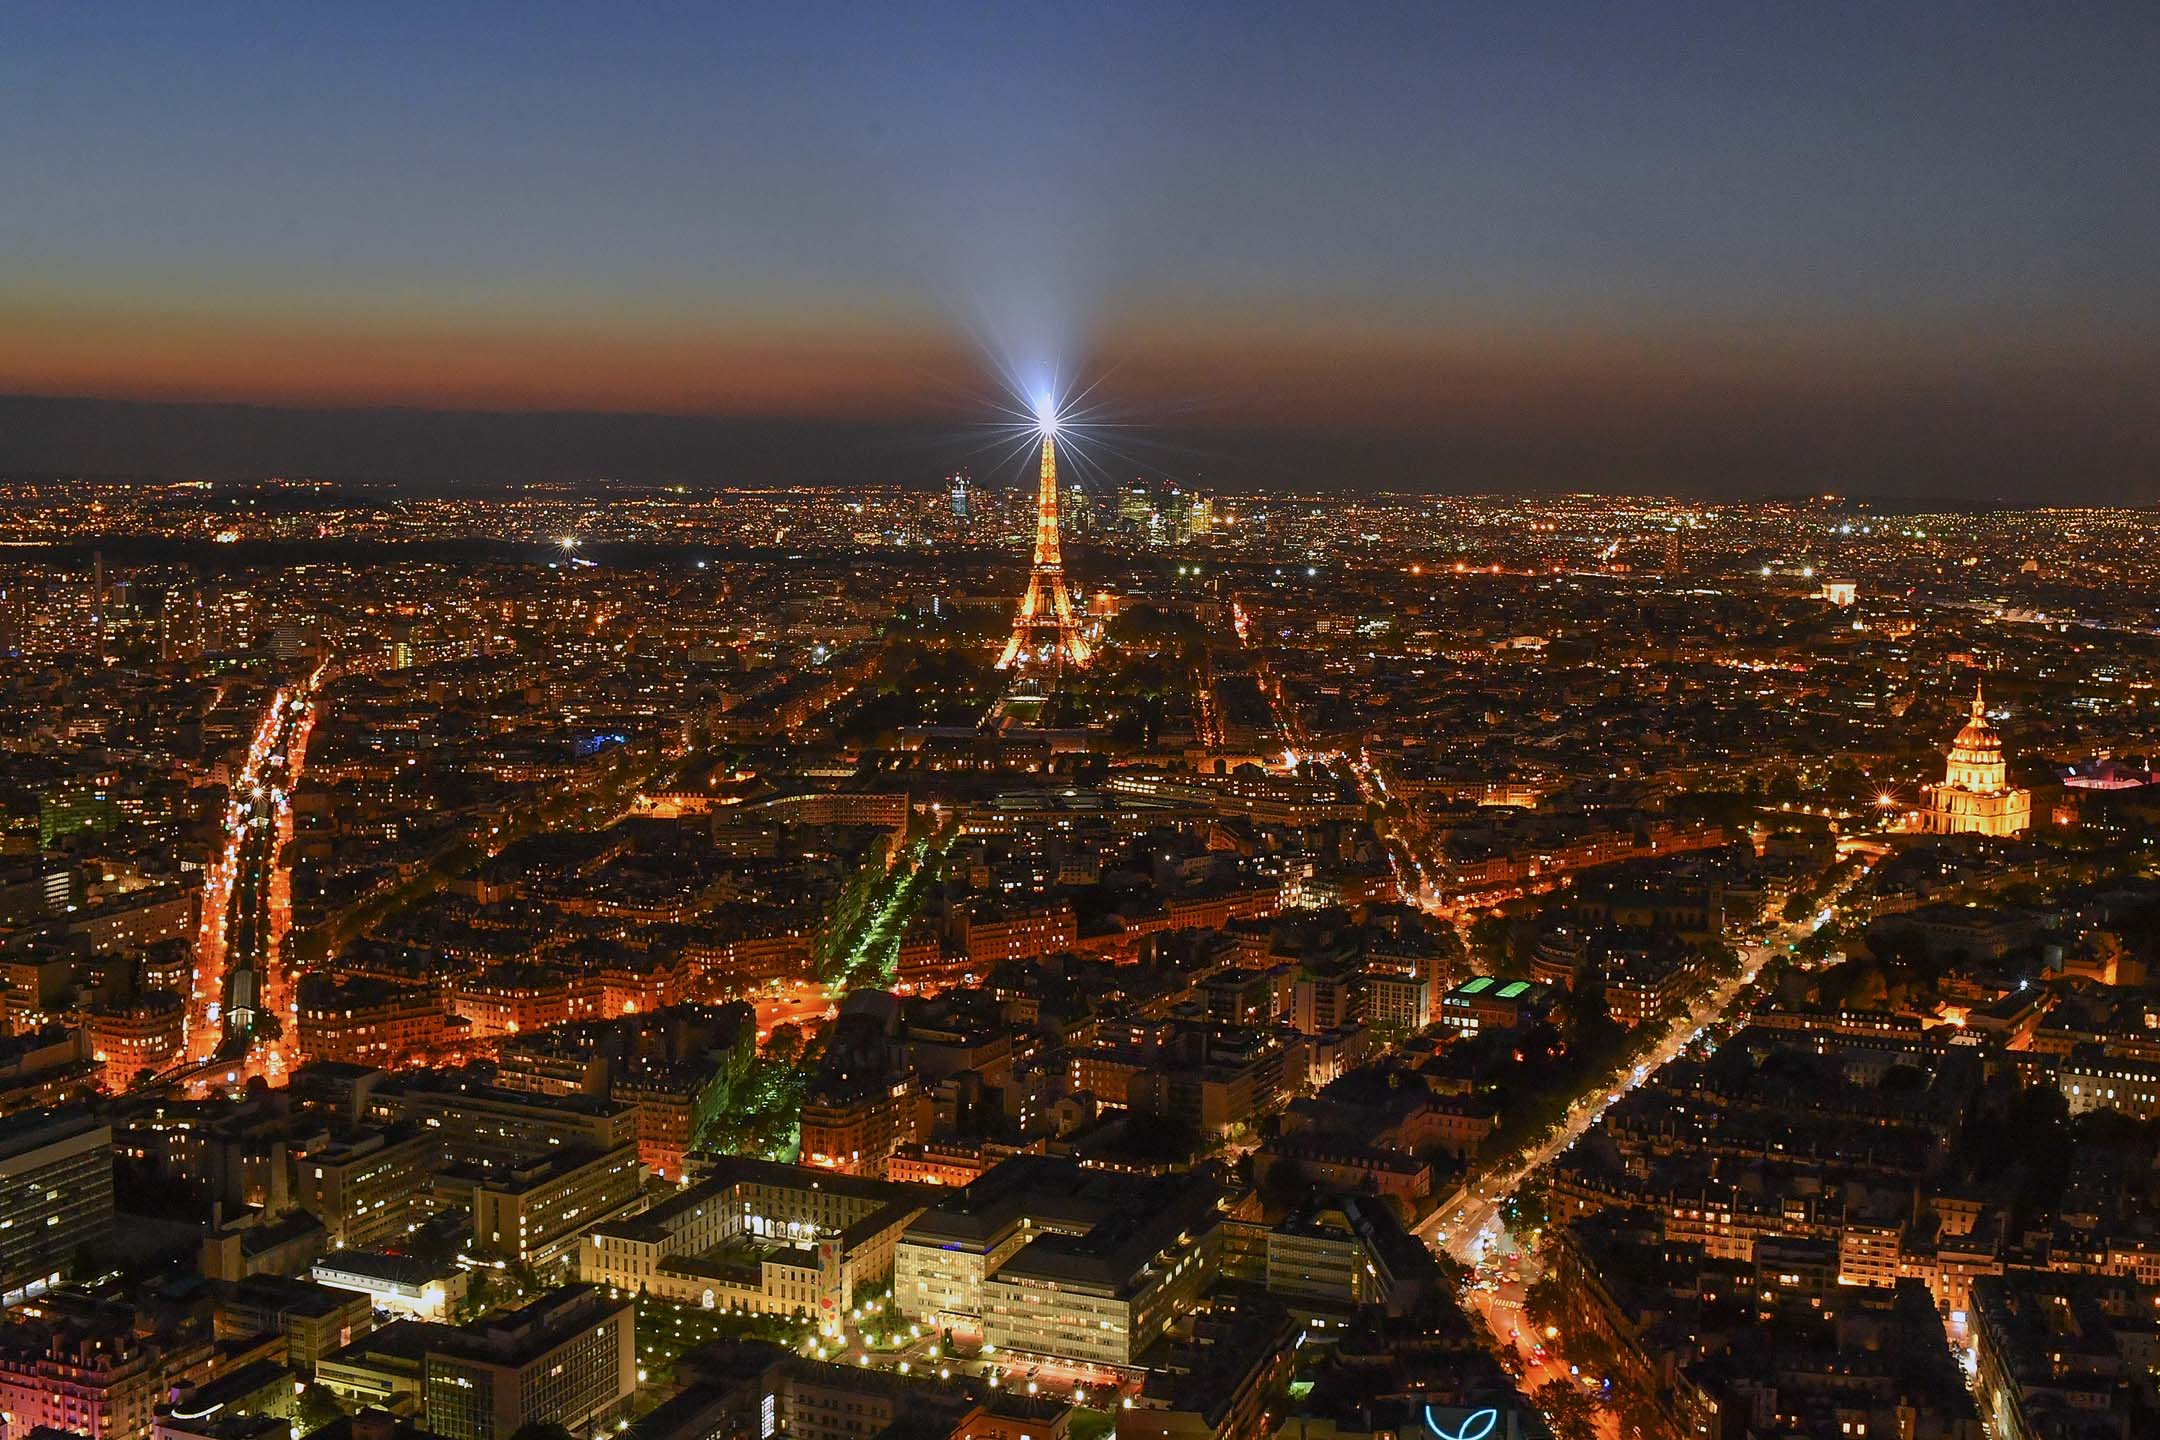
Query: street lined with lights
x,y
247,905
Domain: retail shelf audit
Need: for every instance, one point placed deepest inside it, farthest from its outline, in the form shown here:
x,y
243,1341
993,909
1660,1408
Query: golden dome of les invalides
x,y
1975,797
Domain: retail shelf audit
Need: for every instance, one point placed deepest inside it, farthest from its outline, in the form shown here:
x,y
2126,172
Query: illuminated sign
x,y
1474,1425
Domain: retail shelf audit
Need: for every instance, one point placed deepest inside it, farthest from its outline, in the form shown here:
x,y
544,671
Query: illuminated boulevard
x,y
1463,1224
1467,1226
239,980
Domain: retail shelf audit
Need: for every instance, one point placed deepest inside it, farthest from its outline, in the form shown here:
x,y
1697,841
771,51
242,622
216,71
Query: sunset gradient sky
x,y
1550,243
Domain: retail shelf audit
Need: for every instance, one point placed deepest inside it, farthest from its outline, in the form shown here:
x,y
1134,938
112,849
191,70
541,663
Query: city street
x,y
1469,1228
247,904
1465,1222
801,1003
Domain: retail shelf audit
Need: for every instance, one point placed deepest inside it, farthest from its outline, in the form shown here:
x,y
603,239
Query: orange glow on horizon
x,y
1259,370
760,370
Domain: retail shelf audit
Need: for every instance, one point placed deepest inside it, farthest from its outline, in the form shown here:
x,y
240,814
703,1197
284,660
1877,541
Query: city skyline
x,y
1447,250
1113,722
645,957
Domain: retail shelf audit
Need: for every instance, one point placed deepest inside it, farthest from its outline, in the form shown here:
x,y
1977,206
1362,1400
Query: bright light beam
x,y
1094,439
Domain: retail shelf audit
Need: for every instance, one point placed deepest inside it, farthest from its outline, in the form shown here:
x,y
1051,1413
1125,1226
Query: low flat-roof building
x,y
1052,1260
56,1191
758,1236
1485,1003
400,1285
569,1358
315,1319
1350,1250
537,1210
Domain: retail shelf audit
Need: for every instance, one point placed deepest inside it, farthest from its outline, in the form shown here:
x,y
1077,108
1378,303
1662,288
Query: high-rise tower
x,y
1046,632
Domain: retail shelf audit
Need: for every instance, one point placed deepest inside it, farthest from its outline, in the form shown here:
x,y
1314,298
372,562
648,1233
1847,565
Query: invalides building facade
x,y
1975,797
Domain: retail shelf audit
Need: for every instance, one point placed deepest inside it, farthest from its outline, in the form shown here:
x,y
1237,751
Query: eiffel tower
x,y
1046,635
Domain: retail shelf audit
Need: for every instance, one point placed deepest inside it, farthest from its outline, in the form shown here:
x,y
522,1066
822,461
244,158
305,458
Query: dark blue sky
x,y
1473,220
